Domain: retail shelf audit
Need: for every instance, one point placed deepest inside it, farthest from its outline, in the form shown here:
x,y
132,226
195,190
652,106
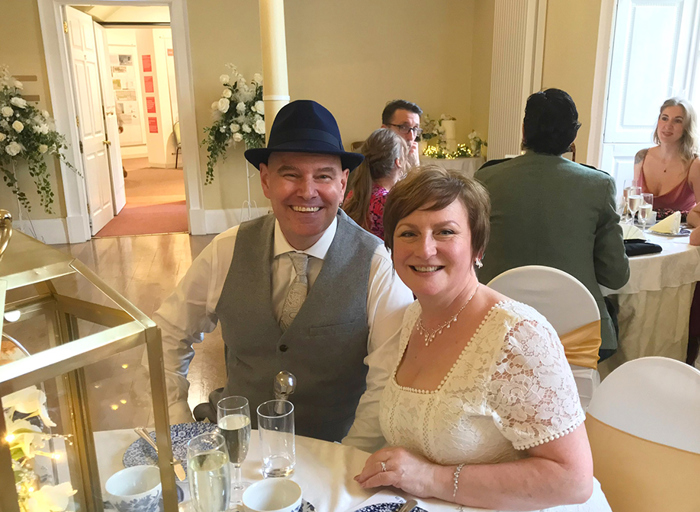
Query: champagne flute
x,y
233,420
208,472
645,209
634,200
625,192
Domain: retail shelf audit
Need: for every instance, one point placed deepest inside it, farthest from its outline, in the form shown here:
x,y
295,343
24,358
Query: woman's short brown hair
x,y
430,187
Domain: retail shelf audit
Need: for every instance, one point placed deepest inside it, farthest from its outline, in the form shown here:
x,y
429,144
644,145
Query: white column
x,y
274,57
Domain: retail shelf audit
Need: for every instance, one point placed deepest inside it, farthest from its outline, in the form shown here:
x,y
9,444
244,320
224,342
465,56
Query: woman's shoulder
x,y
641,155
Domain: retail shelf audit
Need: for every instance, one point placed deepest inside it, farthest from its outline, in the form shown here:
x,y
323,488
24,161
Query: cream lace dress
x,y
510,389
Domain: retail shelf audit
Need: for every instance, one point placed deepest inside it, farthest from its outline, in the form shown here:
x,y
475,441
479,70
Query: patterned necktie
x,y
297,290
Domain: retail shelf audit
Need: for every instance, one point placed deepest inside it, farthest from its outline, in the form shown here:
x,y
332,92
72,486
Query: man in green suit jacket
x,y
547,210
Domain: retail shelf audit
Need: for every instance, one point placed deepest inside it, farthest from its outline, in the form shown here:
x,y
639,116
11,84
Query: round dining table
x,y
324,471
654,305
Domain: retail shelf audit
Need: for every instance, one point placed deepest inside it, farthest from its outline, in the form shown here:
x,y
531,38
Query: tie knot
x,y
300,262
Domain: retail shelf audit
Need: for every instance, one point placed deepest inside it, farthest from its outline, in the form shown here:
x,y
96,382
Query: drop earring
x,y
478,263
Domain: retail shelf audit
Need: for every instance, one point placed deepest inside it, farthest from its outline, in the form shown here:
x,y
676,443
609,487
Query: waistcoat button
x,y
283,348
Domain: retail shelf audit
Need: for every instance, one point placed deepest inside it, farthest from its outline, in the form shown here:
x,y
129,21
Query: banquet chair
x,y
643,424
569,307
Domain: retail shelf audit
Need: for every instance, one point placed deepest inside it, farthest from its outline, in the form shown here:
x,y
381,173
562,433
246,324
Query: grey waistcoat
x,y
325,345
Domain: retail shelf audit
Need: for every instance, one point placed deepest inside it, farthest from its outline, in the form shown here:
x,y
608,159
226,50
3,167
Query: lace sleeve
x,y
532,392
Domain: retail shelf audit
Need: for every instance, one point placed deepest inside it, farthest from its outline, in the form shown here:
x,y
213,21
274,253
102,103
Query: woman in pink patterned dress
x,y
385,164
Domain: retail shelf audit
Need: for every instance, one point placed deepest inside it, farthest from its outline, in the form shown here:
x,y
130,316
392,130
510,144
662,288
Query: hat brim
x,y
259,156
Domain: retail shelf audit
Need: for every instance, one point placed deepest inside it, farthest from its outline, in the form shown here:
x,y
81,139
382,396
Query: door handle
x,y
107,142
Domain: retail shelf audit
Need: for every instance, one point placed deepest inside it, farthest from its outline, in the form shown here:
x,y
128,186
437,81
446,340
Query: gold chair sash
x,y
638,475
581,345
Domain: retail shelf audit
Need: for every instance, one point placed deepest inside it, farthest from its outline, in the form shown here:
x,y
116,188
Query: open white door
x,y
91,127
112,127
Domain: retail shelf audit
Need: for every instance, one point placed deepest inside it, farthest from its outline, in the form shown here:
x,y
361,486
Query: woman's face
x,y
670,128
433,250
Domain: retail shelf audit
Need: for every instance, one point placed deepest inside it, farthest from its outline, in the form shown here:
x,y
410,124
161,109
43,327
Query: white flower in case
x,y
224,79
227,93
19,102
235,127
259,107
2,136
237,137
19,85
257,78
240,107
17,126
7,111
12,149
215,105
43,148
259,126
247,128
223,105
45,113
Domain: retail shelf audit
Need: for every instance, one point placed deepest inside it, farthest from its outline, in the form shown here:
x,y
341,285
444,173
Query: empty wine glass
x,y
208,472
634,200
645,209
233,420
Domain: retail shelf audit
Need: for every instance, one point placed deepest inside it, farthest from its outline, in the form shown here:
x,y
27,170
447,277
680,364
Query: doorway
x,y
138,101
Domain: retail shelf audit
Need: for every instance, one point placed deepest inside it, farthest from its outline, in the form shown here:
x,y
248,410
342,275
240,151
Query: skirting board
x,y
218,221
49,231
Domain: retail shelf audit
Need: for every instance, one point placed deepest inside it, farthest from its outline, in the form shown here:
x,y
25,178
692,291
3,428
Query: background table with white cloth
x,y
324,471
467,166
654,306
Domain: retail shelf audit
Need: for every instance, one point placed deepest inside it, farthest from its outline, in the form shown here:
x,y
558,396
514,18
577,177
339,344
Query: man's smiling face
x,y
305,190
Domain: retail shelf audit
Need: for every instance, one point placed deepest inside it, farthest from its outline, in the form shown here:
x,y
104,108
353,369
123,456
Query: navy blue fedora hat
x,y
304,126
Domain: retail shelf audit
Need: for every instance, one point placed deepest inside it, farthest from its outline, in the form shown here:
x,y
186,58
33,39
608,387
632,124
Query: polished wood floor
x,y
144,269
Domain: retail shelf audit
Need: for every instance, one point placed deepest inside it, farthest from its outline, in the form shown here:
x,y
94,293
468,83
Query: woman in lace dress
x,y
482,409
671,170
385,163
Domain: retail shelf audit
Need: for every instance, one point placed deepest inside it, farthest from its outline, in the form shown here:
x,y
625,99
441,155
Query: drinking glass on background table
x,y
208,472
646,209
276,428
625,193
634,200
233,420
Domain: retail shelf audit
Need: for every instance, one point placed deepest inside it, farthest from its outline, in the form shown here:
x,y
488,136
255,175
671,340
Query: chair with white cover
x,y
569,307
643,424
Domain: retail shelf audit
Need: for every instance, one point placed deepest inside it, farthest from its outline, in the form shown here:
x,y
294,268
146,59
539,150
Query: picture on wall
x,y
125,60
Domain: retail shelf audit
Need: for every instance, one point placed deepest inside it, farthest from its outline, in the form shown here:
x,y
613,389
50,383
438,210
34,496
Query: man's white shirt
x,y
190,311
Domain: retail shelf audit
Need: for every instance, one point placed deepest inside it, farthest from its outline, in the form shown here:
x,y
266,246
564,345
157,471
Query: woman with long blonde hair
x,y
385,163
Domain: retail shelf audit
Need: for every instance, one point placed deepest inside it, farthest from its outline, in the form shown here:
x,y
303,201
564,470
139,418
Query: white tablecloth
x,y
655,303
325,471
468,166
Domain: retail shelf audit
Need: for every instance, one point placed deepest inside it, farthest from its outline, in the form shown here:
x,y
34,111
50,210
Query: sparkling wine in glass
x,y
233,415
634,200
208,472
645,209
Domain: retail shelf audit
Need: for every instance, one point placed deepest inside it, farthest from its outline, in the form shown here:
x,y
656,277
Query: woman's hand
x,y
400,468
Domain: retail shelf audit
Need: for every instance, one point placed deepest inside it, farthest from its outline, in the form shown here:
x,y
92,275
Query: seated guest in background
x,y
671,170
384,164
547,210
304,290
403,117
482,409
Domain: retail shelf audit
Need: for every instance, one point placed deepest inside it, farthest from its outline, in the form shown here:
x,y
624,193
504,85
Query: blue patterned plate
x,y
139,452
386,507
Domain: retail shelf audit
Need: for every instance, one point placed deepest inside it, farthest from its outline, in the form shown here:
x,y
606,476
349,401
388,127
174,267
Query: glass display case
x,y
73,379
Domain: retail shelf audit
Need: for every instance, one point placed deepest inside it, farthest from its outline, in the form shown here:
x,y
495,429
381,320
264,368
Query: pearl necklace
x,y
429,335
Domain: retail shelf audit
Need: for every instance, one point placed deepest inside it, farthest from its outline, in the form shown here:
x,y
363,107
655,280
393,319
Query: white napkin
x,y
383,496
630,232
671,224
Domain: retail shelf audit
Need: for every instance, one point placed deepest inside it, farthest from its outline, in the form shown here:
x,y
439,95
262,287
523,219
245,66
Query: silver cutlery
x,y
408,506
177,465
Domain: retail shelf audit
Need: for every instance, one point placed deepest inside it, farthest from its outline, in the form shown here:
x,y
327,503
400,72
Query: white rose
x,y
13,148
257,78
2,136
224,79
240,107
45,113
222,129
215,105
7,111
259,126
227,93
237,137
259,107
223,105
17,126
43,148
247,128
19,85
19,102
235,127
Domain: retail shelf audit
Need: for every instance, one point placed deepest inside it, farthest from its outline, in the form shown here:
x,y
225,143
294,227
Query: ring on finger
x,y
383,466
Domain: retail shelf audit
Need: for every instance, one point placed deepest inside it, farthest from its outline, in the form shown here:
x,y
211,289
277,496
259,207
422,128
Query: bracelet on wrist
x,y
455,480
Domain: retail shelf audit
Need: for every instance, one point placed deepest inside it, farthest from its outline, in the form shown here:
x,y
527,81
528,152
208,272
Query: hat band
x,y
304,134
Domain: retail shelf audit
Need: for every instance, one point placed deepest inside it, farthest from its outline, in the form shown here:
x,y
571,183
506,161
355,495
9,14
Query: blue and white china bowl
x,y
141,453
135,489
272,495
386,507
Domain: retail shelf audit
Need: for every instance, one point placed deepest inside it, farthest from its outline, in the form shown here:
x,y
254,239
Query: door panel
x,y
110,119
81,40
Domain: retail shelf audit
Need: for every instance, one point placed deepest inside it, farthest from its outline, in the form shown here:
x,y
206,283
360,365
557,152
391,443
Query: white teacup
x,y
272,495
135,489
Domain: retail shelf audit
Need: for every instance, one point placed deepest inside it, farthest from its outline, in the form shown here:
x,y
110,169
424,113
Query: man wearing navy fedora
x,y
305,290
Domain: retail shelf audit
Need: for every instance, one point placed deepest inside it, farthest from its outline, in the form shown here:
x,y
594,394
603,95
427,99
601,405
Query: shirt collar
x,y
318,250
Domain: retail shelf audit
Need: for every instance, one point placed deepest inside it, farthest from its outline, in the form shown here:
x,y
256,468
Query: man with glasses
x,y
403,117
